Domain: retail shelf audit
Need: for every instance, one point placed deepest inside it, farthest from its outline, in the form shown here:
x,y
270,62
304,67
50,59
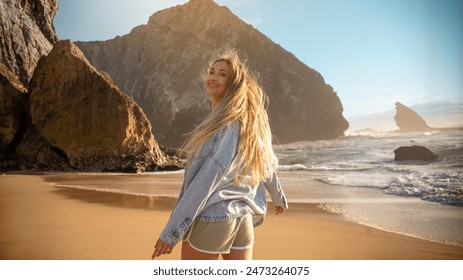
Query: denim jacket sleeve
x,y
275,190
213,159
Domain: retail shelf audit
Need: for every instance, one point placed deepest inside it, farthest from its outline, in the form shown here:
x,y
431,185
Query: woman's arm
x,y
277,195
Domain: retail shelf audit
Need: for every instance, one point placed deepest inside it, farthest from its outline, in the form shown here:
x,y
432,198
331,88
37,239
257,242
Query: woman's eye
x,y
223,74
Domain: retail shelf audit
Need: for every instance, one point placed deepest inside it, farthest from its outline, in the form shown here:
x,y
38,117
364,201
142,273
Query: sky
x,y
372,52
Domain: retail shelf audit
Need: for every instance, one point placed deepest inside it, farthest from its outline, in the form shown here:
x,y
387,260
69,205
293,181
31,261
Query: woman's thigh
x,y
189,253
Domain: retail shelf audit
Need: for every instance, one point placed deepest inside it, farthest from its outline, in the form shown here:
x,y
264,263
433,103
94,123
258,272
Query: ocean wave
x,y
399,169
294,167
301,167
332,208
441,187
444,186
353,181
341,168
96,189
107,189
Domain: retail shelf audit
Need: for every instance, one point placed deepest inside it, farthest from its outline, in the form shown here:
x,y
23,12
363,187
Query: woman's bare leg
x,y
245,254
189,253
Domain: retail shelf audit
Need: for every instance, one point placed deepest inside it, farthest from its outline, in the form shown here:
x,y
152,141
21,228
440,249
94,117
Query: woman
x,y
230,164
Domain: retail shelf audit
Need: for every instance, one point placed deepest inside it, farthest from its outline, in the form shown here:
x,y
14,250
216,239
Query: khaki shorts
x,y
220,237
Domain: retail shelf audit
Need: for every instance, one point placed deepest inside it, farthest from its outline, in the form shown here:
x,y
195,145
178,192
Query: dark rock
x,y
161,64
34,153
82,113
12,112
414,153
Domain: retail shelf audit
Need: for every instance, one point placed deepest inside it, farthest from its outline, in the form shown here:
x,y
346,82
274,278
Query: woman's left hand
x,y
279,210
161,248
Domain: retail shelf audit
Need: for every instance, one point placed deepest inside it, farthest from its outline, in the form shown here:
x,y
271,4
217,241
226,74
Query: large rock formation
x,y
83,114
408,120
160,65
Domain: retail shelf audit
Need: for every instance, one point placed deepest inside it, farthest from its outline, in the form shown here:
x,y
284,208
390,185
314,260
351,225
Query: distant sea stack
x,y
408,120
161,64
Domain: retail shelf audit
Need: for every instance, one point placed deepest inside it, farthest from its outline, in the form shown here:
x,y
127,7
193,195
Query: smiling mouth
x,y
212,85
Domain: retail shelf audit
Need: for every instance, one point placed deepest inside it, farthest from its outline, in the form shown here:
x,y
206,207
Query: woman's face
x,y
216,80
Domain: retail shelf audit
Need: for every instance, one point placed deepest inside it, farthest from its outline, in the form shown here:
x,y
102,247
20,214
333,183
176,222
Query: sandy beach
x,y
41,221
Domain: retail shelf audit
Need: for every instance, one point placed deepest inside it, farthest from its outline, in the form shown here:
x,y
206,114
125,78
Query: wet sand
x,y
40,221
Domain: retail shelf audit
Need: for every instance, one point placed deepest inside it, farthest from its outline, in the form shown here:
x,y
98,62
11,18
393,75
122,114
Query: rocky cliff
x,y
161,64
27,33
68,116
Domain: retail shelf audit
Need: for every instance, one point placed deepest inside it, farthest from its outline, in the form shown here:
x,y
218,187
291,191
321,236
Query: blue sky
x,y
372,52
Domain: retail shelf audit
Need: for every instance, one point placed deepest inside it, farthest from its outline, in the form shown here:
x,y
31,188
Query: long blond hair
x,y
243,101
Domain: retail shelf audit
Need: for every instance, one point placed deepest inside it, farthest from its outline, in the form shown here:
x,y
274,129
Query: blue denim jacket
x,y
208,192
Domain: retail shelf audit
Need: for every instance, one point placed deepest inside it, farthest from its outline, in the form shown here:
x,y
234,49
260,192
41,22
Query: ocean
x,y
354,176
367,161
360,180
